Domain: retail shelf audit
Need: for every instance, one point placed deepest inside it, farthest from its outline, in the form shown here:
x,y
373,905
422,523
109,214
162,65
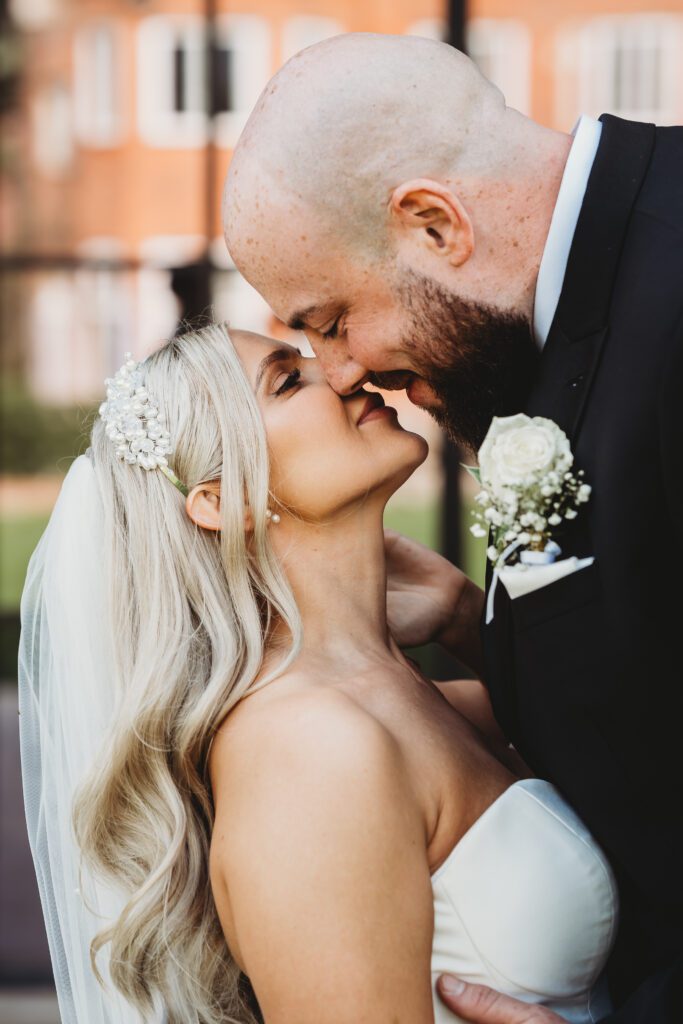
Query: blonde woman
x,y
261,785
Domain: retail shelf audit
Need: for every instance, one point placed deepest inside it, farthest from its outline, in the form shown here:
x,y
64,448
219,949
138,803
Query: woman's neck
x,y
337,572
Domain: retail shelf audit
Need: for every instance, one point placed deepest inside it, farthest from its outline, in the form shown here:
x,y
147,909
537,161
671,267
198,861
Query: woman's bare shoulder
x,y
316,832
279,738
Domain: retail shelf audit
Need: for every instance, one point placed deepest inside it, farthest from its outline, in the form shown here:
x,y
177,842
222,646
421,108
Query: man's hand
x,y
482,1005
429,600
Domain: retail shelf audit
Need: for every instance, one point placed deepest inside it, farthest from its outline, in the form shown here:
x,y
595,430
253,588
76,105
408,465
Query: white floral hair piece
x,y
134,424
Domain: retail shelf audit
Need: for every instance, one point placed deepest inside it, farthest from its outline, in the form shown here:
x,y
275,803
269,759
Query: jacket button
x,y
575,381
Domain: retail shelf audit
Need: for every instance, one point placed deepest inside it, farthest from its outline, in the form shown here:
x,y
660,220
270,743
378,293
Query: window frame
x,y
92,129
598,46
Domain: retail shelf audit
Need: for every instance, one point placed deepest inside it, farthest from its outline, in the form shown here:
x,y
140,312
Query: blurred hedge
x,y
35,438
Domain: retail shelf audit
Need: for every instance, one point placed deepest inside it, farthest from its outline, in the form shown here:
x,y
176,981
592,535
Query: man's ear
x,y
435,211
203,505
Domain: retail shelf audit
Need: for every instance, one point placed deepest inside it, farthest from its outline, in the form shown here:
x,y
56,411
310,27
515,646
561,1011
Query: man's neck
x,y
513,211
546,153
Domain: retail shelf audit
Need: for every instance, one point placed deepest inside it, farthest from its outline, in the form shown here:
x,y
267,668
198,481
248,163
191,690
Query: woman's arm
x,y
321,845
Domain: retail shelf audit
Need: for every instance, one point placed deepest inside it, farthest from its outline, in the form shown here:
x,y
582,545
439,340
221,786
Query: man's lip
x,y
413,386
374,401
420,393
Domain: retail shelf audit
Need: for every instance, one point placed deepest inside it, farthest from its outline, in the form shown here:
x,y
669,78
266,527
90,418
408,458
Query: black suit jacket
x,y
586,674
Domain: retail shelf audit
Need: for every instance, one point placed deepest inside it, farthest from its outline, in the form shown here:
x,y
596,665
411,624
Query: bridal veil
x,y
66,700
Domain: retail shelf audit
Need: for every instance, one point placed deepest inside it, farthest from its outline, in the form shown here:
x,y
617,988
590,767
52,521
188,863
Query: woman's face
x,y
327,452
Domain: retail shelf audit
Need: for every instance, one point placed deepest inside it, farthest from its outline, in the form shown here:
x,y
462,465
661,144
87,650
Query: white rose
x,y
518,451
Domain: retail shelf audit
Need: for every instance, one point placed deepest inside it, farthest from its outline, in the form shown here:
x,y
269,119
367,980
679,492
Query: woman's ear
x,y
203,505
442,222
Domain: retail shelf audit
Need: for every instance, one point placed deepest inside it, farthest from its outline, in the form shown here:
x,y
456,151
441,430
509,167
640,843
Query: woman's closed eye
x,y
290,381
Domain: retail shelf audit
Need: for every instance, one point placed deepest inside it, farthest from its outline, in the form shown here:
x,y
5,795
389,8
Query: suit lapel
x,y
572,351
564,378
580,327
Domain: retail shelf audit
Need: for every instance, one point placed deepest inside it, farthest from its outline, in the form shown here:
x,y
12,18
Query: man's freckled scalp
x,y
356,135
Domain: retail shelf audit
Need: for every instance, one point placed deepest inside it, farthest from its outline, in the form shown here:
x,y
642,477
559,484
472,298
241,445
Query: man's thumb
x,y
482,1005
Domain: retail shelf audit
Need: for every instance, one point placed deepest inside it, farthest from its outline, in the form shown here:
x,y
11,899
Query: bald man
x,y
384,200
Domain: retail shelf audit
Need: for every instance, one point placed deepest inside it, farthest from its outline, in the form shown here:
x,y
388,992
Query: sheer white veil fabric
x,y
66,700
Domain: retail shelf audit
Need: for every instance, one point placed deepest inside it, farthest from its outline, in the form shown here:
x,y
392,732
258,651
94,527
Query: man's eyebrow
x,y
298,320
278,355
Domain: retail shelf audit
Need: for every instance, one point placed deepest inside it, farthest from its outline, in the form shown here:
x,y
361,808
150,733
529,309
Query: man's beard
x,y
480,362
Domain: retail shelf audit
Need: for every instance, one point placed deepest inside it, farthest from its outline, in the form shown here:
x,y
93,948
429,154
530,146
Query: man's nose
x,y
349,378
342,372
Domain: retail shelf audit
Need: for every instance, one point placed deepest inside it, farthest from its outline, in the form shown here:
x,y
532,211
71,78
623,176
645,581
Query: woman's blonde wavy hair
x,y
190,613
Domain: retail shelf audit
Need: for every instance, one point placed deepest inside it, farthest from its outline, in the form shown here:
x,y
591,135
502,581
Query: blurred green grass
x,y
18,537
421,522
20,534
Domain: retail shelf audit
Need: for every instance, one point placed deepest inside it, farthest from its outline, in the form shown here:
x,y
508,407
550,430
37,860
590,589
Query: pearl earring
x,y
272,516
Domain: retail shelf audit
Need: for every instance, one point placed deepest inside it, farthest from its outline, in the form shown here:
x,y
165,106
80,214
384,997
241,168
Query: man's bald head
x,y
346,120
383,198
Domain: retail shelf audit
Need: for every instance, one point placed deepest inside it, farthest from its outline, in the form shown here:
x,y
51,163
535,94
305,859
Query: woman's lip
x,y
372,402
376,412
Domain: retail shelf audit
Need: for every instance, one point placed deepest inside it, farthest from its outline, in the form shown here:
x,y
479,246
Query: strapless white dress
x,y
527,904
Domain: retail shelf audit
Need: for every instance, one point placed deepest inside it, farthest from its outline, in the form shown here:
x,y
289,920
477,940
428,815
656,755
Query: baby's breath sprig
x,y
528,488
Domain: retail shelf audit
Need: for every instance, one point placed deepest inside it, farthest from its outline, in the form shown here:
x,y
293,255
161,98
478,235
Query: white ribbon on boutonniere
x,y
527,489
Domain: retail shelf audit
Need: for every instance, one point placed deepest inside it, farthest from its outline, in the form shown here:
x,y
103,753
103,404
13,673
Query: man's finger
x,y
482,1005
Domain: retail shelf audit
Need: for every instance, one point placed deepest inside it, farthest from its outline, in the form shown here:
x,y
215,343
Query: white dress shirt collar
x,y
563,224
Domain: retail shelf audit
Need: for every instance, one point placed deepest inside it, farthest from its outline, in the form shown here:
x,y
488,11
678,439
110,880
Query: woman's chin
x,y
416,451
420,448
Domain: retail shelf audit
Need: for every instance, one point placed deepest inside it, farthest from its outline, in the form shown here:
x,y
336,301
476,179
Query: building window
x,y
242,67
629,65
237,302
429,28
98,85
305,30
171,89
223,79
500,47
80,327
35,15
173,95
52,130
187,75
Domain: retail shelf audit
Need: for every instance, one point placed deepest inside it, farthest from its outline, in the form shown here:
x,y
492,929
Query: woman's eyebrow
x,y
278,355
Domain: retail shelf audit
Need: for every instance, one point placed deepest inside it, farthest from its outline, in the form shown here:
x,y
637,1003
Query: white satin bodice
x,y
527,904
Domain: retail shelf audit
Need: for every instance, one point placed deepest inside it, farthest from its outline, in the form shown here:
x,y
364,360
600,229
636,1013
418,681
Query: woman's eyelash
x,y
290,381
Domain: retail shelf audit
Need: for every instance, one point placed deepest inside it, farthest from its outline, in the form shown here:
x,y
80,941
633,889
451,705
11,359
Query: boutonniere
x,y
528,488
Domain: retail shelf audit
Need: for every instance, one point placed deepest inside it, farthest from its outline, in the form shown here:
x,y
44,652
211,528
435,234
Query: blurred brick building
x,y
112,156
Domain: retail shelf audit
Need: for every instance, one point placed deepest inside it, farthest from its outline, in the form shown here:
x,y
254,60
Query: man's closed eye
x,y
332,331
